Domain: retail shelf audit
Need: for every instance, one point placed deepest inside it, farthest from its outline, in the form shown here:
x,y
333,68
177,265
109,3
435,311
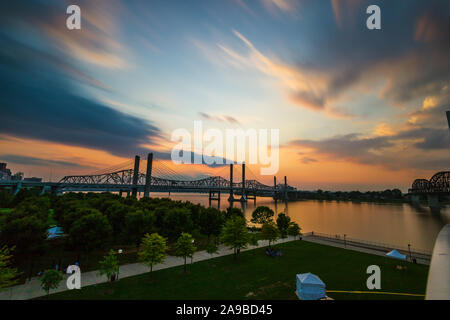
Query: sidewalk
x,y
32,289
355,248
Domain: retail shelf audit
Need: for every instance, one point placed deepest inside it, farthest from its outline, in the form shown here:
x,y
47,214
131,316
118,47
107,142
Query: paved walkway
x,y
356,248
32,289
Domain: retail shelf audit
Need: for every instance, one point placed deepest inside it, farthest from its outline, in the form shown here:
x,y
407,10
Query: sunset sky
x,y
356,108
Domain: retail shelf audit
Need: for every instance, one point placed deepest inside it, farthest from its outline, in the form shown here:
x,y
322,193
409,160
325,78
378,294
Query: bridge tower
x,y
135,176
275,195
231,197
148,175
285,189
244,196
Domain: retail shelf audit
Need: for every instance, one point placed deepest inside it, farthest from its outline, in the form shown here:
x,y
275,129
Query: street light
x,y
409,249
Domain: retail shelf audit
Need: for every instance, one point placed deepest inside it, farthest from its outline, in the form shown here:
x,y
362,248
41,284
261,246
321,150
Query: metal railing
x,y
380,246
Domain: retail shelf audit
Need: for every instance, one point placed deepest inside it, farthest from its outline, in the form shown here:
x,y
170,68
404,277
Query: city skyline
x,y
356,108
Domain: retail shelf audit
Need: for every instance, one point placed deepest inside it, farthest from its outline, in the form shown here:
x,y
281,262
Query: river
x,y
396,224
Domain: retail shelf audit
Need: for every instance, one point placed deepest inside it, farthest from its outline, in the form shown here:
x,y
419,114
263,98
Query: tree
x,y
116,213
91,231
235,234
293,229
185,247
177,221
153,250
212,248
8,275
253,240
269,231
210,222
109,266
233,212
261,215
283,224
27,233
6,198
50,280
137,224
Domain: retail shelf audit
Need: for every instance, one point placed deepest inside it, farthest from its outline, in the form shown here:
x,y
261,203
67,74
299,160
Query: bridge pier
x,y
135,175
231,197
214,195
285,188
415,198
244,195
148,175
433,200
275,189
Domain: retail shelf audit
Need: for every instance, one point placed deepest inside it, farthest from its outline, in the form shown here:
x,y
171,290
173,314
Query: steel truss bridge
x,y
438,184
159,177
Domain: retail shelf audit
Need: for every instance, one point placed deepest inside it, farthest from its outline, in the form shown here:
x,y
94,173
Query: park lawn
x,y
256,276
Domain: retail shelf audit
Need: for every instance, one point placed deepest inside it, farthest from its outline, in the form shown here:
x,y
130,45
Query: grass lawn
x,y
255,276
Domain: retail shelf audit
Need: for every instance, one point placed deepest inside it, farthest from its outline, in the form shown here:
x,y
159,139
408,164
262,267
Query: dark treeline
x,y
98,220
386,195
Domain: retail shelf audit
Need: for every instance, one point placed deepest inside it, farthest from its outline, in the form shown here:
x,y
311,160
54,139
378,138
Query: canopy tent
x,y
395,254
310,287
54,232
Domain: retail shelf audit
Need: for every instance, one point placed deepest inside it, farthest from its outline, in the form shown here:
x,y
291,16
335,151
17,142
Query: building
x,y
5,173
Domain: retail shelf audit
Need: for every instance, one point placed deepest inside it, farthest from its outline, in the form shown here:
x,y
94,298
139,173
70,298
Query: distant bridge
x,y
161,178
437,186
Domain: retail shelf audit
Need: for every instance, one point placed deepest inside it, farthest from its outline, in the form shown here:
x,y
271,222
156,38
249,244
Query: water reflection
x,y
396,223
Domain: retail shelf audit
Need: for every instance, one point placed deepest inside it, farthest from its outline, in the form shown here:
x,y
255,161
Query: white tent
x,y
395,254
310,287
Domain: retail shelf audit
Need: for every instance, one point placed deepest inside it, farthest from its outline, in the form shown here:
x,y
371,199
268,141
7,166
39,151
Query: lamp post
x,y
409,249
345,243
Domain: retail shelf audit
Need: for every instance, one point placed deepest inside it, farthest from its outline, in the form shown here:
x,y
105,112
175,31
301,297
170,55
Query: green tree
x,y
109,266
8,274
184,247
254,239
261,215
283,224
293,229
91,231
137,224
233,212
50,280
153,250
210,222
212,248
27,233
177,221
116,213
235,234
6,198
270,232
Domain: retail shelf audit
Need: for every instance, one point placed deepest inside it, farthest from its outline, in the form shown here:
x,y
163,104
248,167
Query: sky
x,y
357,109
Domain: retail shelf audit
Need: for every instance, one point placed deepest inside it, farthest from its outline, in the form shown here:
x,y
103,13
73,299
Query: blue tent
x,y
54,232
310,287
395,254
